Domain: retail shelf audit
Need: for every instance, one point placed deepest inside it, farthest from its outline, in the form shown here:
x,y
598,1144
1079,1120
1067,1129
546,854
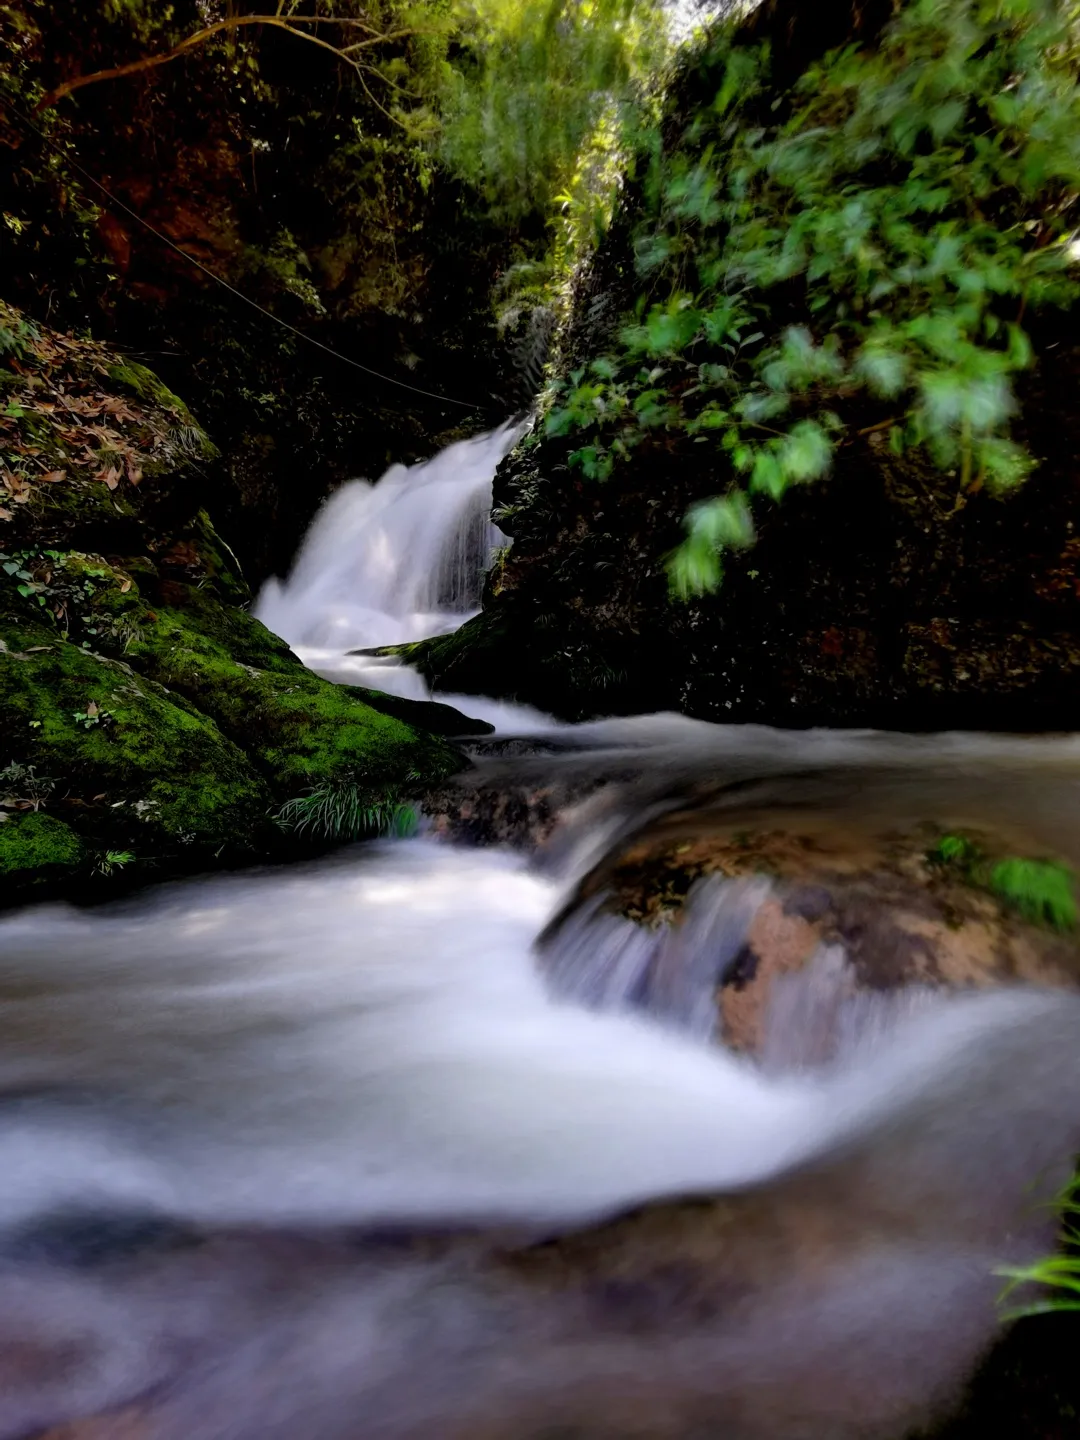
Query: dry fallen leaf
x,y
125,587
54,475
5,514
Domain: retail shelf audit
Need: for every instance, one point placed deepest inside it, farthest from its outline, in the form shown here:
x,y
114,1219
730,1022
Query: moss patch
x,y
139,768
37,850
299,730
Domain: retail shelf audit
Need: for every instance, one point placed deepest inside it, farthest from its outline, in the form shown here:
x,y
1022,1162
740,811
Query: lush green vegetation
x,y
860,255
524,104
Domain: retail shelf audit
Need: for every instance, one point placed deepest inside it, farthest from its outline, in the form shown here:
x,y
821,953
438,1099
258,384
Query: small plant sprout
x,y
93,715
112,860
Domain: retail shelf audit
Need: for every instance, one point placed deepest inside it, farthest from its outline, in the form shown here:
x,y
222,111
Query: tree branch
x,y
288,23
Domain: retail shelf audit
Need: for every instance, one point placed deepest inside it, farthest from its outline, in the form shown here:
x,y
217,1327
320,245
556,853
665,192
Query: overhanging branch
x,y
291,24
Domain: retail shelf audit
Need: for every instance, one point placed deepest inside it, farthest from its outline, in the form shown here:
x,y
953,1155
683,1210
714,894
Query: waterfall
x,y
393,562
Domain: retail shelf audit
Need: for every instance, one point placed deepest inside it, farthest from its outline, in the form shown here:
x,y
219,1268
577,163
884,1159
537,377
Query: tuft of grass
x,y
1056,1277
1042,891
113,860
955,850
346,812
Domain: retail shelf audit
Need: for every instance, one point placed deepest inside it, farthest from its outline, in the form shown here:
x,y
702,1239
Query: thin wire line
x,y
310,339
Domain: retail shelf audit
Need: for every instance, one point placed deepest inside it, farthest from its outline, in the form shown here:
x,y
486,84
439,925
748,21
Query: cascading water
x,y
389,563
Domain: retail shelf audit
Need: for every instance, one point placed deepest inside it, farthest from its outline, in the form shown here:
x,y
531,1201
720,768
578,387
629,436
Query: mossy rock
x,y
298,730
176,731
136,767
431,715
37,851
172,724
460,661
141,382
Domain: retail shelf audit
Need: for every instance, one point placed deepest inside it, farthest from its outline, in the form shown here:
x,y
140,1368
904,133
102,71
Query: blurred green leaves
x,y
916,203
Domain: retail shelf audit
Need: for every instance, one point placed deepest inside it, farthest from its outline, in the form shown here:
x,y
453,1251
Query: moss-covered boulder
x,y
299,730
37,851
119,743
149,725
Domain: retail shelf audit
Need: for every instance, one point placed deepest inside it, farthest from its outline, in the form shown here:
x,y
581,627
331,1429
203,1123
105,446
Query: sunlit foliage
x,y
531,83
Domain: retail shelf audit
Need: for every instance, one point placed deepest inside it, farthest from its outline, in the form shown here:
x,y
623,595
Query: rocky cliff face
x,y
884,597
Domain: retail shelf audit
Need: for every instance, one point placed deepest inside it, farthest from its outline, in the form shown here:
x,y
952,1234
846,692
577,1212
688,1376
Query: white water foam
x,y
394,562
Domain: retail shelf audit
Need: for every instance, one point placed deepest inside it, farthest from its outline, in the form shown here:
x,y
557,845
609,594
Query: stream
x,y
637,1119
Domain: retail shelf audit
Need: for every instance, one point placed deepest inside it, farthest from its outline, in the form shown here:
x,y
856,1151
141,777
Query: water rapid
x,y
287,1150
430,1139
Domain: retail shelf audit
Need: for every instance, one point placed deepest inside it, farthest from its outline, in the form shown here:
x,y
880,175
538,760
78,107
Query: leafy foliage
x,y
531,84
867,245
22,788
343,812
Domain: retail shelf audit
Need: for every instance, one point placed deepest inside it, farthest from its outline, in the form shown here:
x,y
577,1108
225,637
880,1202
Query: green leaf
x,y
806,453
885,371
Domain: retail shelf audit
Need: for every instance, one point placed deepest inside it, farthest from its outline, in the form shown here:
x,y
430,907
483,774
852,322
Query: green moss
x,y
143,383
37,849
220,570
140,767
1042,891
299,730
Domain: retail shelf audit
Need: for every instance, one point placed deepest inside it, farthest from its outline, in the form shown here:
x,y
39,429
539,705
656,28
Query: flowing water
x,y
296,1153
394,562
